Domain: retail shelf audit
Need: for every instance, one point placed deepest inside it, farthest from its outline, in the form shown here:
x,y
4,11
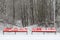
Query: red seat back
x,y
23,30
7,29
15,29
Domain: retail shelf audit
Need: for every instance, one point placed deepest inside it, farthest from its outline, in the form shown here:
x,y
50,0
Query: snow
x,y
30,37
34,36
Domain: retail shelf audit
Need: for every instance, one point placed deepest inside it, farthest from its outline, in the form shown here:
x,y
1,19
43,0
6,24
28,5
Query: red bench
x,y
38,29
15,30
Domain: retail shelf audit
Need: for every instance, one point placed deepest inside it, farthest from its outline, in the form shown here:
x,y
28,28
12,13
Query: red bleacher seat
x,y
15,30
44,30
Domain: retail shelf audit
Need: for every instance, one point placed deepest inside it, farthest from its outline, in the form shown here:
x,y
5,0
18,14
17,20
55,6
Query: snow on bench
x,y
38,29
15,30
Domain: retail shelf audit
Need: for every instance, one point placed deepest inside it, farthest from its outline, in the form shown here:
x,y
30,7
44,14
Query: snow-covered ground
x,y
30,37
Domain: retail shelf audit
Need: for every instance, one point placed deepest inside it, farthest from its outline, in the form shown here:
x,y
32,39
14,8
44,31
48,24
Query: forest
x,y
30,12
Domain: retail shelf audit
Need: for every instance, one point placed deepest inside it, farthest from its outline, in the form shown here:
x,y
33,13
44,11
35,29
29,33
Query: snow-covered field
x,y
30,37
34,36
